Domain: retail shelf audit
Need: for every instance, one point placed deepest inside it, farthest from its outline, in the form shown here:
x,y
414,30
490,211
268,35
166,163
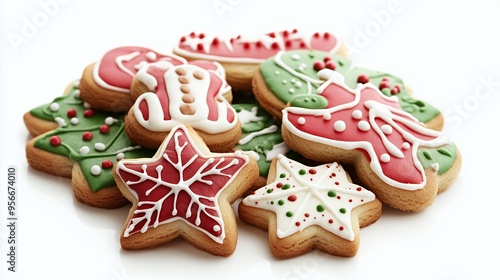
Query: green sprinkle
x,y
342,210
332,194
285,187
281,202
272,202
289,214
340,63
302,172
269,190
444,152
282,175
320,208
427,155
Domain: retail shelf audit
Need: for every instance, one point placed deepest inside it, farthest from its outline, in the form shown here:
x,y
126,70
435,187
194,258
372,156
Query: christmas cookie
x,y
105,84
184,191
289,75
305,207
182,94
403,162
241,55
75,141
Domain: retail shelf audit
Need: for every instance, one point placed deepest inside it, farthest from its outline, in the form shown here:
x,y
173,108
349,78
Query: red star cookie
x,y
184,190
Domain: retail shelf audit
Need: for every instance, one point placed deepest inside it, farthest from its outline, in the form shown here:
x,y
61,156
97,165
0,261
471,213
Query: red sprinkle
x,y
107,164
71,113
384,84
192,34
275,45
327,58
297,223
307,215
215,41
285,33
318,65
201,36
292,198
363,78
104,129
87,136
258,44
288,43
316,35
341,228
358,189
394,90
199,47
327,35
272,35
330,65
303,45
183,39
330,221
279,185
88,113
312,171
246,45
55,140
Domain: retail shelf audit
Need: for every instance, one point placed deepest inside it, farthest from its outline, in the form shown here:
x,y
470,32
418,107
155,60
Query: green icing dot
x,y
281,202
272,202
302,172
320,208
289,214
332,194
285,187
282,175
269,190
342,210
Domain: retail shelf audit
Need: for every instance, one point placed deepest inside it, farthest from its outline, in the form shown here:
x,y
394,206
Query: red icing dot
x,y
199,47
316,35
104,129
192,34
183,39
330,65
272,35
307,215
292,198
87,136
88,113
337,183
303,45
258,44
350,200
295,31
246,45
330,221
363,78
334,175
55,140
312,171
107,164
327,35
384,84
394,90
297,223
385,79
215,41
275,45
339,197
201,36
285,33
327,58
288,43
279,185
318,65
71,113
341,228
358,189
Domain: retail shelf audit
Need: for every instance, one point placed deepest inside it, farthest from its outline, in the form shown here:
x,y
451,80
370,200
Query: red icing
x,y
87,136
401,170
104,129
241,48
174,189
111,74
55,140
71,113
88,113
107,164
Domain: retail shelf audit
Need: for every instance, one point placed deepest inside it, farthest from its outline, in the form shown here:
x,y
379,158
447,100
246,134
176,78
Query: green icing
x,y
286,76
71,135
444,156
421,110
309,101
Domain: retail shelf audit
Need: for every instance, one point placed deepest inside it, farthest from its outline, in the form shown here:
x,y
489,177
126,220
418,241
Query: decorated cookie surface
x,y
247,49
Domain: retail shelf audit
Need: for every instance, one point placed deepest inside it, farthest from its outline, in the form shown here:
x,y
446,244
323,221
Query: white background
x,y
449,53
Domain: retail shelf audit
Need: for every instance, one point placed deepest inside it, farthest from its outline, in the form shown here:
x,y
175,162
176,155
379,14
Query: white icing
x,y
74,121
339,126
60,121
99,146
356,114
54,107
246,116
386,129
385,158
364,126
250,136
435,166
280,148
110,120
151,55
310,191
95,170
120,156
84,150
301,120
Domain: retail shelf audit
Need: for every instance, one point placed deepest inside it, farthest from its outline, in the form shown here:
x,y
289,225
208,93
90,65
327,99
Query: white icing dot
x,y
295,57
298,84
54,107
327,116
387,129
76,94
291,90
364,126
435,166
76,83
284,82
151,56
276,72
293,80
303,65
99,146
86,105
120,156
216,228
339,126
109,120
385,158
84,150
74,121
301,120
95,170
60,121
406,145
357,114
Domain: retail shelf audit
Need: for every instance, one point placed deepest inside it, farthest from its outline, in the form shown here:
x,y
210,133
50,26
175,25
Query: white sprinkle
x,y
74,121
291,90
109,120
303,65
60,121
151,56
357,114
86,105
76,94
284,82
295,57
276,72
298,84
327,116
293,80
387,129
339,126
406,145
216,228
301,120
54,107
435,166
84,150
120,156
95,170
99,146
385,158
364,126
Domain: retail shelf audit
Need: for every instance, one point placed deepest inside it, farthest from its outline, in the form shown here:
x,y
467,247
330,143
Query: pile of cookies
x,y
310,144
